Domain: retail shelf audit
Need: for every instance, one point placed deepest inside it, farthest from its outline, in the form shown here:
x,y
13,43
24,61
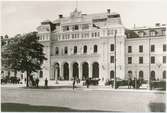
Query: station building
x,y
86,45
100,46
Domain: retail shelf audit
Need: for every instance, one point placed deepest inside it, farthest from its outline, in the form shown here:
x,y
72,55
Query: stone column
x,y
70,71
80,70
52,72
90,69
61,71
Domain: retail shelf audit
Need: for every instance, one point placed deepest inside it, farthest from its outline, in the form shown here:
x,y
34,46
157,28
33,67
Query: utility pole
x,y
149,65
115,59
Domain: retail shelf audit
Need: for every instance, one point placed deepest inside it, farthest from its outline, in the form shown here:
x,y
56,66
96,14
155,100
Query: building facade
x,y
100,46
84,46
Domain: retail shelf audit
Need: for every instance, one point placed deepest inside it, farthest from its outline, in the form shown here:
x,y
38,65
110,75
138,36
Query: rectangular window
x,y
140,60
112,47
152,60
75,49
129,60
85,49
112,59
129,49
164,47
65,50
164,59
56,51
152,48
140,48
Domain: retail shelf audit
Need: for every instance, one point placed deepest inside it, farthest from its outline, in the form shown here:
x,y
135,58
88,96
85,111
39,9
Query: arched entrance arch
x,y
152,75
75,70
56,70
141,74
66,71
95,73
111,74
85,70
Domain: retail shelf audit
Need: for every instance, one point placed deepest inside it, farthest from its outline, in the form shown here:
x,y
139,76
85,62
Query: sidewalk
x,y
91,88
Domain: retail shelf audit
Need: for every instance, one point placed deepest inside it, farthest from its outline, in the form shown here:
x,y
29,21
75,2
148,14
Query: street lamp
x,y
135,79
115,59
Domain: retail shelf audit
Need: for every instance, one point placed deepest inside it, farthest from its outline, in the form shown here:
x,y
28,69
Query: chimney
x,y
108,10
60,16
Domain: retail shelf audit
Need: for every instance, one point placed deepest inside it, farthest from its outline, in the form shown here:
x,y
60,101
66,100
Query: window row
x,y
75,50
141,48
75,27
77,35
141,74
152,60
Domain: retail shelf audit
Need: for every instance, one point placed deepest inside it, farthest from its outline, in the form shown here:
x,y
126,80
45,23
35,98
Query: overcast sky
x,y
22,17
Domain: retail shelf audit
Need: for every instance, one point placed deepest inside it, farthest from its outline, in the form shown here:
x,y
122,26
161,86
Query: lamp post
x,y
115,59
149,81
135,79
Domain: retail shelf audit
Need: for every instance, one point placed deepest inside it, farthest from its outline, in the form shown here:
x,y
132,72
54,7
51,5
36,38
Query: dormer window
x,y
141,33
152,33
65,28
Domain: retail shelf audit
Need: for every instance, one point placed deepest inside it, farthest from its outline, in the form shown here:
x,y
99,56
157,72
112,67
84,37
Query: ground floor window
x,y
111,74
152,75
164,74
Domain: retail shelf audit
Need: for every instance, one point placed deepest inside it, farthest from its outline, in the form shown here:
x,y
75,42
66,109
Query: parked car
x,y
92,81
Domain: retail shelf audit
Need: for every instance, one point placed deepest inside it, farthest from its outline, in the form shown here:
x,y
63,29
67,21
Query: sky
x,y
25,16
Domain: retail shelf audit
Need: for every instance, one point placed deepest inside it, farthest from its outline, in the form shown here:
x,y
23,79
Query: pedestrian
x,y
46,83
37,81
73,84
87,82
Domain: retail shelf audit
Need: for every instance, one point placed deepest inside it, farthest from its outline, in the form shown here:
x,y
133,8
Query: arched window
x,y
111,74
141,74
65,50
85,49
95,48
152,75
164,74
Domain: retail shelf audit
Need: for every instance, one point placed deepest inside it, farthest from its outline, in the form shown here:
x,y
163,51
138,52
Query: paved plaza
x,y
81,99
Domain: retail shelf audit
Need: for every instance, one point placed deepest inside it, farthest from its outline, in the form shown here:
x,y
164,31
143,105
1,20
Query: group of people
x,y
35,81
135,83
78,81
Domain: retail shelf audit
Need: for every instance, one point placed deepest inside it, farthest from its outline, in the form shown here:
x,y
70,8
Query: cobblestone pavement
x,y
86,99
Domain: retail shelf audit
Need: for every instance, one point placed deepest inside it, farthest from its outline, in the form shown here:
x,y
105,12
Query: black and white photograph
x,y
83,56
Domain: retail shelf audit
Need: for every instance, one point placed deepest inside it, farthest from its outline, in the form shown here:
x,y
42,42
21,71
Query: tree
x,y
25,54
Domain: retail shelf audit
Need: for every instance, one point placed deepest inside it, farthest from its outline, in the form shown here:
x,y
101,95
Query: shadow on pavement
x,y
16,107
157,107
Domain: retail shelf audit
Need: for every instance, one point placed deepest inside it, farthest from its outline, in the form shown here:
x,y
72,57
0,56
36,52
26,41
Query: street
x,y
80,99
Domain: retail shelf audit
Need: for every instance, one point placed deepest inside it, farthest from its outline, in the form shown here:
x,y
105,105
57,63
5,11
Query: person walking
x,y
46,83
37,81
87,82
73,84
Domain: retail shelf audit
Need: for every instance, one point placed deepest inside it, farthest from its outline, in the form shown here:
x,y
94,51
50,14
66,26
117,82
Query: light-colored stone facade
x,y
92,30
99,30
83,45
